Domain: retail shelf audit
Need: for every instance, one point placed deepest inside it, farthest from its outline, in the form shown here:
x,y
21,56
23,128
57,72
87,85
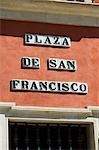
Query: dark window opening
x,y
28,136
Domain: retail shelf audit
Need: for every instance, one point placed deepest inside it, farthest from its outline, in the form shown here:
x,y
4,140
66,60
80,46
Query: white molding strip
x,y
94,108
55,12
45,120
11,110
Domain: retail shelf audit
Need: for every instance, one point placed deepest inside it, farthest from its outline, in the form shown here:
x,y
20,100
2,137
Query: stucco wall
x,y
97,1
84,49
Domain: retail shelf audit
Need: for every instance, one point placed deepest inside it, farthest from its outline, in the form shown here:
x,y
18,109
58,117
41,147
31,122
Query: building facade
x,y
49,76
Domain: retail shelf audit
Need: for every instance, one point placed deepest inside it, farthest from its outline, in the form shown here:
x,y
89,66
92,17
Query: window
x,y
28,136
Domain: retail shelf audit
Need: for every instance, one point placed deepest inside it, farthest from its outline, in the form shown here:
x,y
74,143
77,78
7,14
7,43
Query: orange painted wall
x,y
84,49
96,1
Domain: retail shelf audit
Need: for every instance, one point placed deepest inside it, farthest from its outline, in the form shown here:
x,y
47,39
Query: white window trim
x,y
14,113
73,1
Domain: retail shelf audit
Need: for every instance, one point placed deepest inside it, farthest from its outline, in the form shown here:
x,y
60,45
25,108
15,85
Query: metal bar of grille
x,y
69,138
27,137
57,137
37,137
48,138
16,137
79,137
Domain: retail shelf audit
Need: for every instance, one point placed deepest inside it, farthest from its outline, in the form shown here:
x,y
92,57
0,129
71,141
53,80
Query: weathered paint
x,y
84,49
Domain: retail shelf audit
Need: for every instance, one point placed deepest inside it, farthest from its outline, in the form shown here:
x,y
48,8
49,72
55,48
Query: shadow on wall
x,y
19,28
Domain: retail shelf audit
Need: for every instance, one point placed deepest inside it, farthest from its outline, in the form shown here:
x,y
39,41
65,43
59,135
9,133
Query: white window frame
x,y
45,115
